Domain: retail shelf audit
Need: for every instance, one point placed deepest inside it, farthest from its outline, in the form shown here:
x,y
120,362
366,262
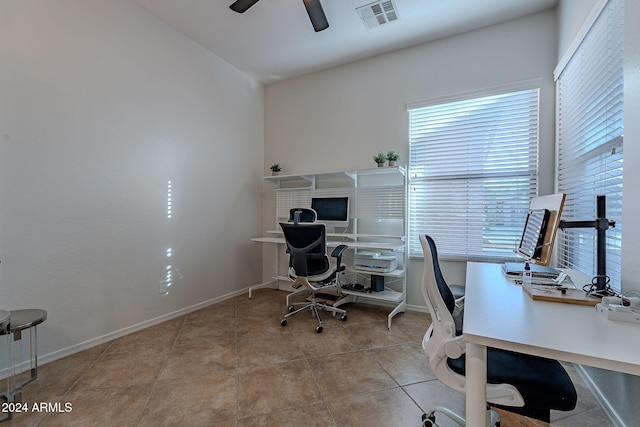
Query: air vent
x,y
377,13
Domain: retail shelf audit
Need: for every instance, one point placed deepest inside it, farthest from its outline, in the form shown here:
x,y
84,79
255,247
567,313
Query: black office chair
x,y
310,267
299,215
520,383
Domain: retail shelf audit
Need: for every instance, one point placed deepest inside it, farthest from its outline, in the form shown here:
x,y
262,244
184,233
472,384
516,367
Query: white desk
x,y
500,314
332,243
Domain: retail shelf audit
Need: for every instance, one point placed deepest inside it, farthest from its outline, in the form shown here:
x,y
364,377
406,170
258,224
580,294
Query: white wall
x,y
572,15
631,195
100,106
337,119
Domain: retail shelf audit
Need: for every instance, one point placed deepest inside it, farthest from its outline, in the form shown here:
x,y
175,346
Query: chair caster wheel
x,y
283,322
291,308
319,329
343,318
428,421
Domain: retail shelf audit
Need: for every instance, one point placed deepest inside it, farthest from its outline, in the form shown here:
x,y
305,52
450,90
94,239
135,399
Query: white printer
x,y
375,262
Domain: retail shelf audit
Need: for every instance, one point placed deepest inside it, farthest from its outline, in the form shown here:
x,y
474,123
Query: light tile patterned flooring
x,y
232,364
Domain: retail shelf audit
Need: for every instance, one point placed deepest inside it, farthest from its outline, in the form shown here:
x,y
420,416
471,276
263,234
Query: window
x,y
589,89
473,168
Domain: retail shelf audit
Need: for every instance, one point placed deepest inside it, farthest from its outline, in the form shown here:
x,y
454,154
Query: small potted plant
x,y
380,158
275,169
393,157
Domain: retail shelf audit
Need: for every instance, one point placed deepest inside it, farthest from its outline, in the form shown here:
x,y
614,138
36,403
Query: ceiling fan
x,y
314,9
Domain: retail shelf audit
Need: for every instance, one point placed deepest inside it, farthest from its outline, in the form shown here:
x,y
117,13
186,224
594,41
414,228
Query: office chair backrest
x,y
445,291
302,215
441,303
306,242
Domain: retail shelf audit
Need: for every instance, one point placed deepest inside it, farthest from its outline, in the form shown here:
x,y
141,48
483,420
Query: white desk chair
x,y
519,383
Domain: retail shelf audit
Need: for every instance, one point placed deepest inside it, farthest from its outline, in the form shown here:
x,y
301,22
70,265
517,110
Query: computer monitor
x,y
332,211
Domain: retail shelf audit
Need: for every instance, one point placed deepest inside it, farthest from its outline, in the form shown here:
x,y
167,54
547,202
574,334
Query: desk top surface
x,y
499,313
334,243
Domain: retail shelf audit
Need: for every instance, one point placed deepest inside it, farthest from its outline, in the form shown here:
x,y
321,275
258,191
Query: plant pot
x,y
392,162
275,173
380,165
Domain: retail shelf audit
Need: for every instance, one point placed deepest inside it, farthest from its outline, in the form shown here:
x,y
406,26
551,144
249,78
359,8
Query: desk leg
x,y
476,377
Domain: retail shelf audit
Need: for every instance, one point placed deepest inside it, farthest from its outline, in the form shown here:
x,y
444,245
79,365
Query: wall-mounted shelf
x,y
378,204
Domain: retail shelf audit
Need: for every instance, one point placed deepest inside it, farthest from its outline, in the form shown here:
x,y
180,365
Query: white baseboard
x,y
76,348
85,345
604,403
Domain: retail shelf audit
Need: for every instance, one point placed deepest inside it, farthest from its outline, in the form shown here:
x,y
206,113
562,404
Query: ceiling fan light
x,y
241,6
316,14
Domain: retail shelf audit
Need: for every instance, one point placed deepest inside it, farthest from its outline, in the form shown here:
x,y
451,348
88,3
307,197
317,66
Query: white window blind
x,y
473,169
590,141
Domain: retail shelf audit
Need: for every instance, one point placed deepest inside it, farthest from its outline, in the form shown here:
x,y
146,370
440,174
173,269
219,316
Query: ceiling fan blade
x,y
316,14
241,6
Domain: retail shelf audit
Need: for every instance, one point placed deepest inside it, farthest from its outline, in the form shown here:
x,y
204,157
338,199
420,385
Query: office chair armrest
x,y
454,347
337,254
338,251
440,342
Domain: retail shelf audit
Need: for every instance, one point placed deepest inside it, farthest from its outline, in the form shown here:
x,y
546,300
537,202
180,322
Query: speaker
x,y
377,283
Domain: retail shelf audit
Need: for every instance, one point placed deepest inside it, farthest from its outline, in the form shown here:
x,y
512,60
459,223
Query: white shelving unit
x,y
378,204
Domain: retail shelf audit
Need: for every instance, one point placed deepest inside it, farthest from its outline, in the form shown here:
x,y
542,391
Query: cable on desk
x,y
607,291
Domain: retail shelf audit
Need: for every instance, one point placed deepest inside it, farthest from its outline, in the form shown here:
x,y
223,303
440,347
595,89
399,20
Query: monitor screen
x,y
331,208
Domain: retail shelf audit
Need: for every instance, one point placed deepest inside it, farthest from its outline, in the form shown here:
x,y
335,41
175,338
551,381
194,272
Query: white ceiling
x,y
274,39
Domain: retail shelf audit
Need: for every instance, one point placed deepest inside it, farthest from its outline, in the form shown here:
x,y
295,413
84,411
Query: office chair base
x,y
429,420
315,307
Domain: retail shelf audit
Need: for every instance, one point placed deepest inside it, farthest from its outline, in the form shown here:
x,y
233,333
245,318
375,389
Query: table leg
x,y
476,378
7,395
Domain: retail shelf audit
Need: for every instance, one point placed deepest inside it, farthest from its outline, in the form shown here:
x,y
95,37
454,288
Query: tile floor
x,y
232,364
